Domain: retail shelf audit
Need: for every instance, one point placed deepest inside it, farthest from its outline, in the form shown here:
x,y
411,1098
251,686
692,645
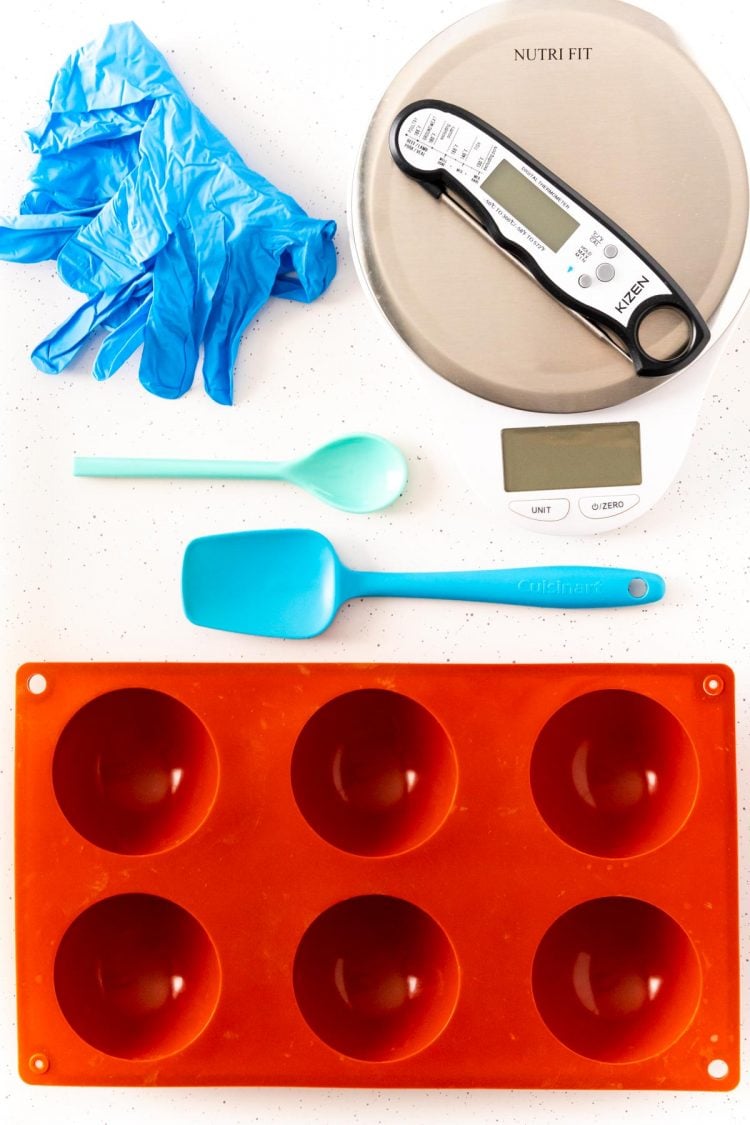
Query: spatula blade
x,y
266,583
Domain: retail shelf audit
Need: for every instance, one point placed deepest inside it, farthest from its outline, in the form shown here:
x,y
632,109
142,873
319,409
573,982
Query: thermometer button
x,y
600,507
610,251
548,510
605,271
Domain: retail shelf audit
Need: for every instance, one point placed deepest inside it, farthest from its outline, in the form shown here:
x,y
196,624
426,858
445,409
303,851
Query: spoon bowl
x,y
359,473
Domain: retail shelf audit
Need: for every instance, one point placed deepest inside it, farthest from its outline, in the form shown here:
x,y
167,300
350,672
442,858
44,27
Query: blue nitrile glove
x,y
154,216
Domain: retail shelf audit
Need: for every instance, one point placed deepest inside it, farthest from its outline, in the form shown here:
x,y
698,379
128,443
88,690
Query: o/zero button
x,y
601,507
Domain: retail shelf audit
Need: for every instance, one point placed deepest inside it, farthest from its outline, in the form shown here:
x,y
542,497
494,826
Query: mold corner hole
x,y
39,1063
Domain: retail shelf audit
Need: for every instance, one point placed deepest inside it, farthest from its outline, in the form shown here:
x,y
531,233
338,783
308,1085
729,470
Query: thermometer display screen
x,y
529,205
604,455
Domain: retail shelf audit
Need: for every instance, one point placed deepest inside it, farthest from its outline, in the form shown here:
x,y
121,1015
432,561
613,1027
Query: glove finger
x,y
169,350
310,253
57,349
186,275
123,340
37,238
244,288
39,202
252,275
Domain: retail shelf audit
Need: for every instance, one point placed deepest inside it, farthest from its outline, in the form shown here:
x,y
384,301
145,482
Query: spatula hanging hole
x,y
638,587
718,1069
37,684
713,685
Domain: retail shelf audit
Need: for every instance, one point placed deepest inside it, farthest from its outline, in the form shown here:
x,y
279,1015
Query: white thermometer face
x,y
582,258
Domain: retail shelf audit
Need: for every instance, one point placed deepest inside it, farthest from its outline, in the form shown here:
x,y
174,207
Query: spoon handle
x,y
170,467
560,587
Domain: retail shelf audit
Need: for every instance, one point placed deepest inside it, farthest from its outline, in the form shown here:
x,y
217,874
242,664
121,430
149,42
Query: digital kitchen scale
x,y
582,138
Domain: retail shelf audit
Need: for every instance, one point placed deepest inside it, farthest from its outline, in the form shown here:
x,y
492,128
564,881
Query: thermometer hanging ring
x,y
581,257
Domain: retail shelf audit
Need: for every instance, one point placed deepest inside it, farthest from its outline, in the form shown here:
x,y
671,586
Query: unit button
x,y
605,271
600,507
548,510
610,251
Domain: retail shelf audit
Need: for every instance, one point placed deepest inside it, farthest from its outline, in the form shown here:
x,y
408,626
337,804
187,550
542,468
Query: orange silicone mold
x,y
377,875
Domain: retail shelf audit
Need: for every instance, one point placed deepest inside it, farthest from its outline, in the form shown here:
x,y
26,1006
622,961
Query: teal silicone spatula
x,y
360,473
290,583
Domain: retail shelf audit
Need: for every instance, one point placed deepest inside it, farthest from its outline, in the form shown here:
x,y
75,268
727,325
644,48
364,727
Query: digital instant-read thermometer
x,y
580,256
560,429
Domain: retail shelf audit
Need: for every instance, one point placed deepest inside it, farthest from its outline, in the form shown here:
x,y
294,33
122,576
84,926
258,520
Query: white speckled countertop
x,y
89,569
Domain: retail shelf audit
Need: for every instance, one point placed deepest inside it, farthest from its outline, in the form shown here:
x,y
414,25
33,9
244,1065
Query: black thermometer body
x,y
578,254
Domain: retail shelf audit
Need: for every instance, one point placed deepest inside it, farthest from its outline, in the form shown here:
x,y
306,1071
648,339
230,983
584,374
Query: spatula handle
x,y
559,587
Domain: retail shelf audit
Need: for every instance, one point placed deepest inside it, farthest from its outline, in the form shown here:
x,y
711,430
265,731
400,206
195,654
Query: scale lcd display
x,y
527,203
604,455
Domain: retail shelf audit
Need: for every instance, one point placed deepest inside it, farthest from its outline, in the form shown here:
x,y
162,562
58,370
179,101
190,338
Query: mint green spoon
x,y
361,473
